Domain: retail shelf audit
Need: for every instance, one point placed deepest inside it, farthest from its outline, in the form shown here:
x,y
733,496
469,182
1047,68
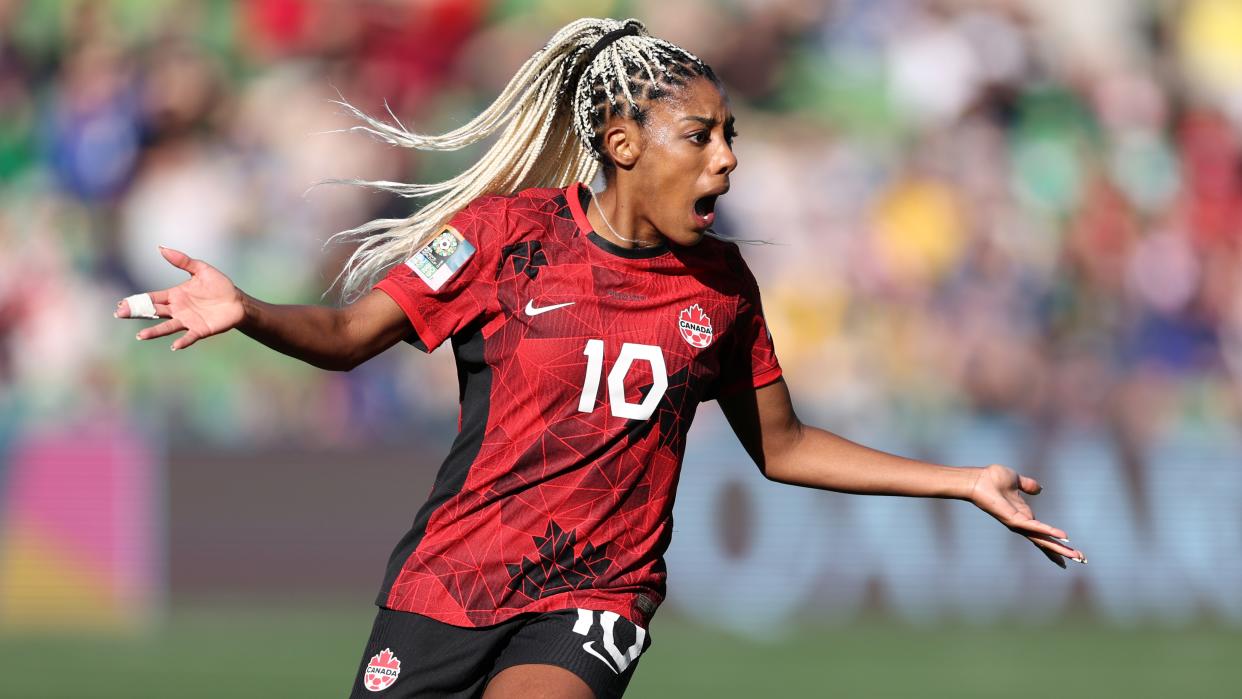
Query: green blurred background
x,y
1005,231
213,652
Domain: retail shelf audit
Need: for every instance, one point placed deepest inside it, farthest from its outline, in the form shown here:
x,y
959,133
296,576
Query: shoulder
x,y
720,262
541,196
483,221
547,205
730,254
498,219
532,198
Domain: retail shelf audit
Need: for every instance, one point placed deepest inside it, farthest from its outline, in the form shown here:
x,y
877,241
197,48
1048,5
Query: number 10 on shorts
x,y
617,404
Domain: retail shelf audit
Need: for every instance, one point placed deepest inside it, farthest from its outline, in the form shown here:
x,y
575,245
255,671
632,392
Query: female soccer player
x,y
586,330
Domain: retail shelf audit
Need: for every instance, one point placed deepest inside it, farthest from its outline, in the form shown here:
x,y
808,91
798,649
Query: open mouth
x,y
705,210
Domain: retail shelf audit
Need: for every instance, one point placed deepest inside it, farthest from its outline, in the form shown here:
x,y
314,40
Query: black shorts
x,y
410,655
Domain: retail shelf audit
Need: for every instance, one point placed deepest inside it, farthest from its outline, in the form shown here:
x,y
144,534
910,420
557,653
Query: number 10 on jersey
x,y
618,406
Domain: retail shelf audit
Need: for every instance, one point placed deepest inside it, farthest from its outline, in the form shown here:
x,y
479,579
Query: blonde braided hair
x,y
548,136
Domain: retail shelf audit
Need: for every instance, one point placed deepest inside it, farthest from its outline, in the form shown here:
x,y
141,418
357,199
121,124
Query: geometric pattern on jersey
x,y
558,490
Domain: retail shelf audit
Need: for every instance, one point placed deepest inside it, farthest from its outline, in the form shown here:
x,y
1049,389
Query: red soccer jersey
x,y
581,364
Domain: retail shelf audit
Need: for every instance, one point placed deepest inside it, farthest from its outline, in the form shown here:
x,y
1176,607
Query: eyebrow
x,y
709,122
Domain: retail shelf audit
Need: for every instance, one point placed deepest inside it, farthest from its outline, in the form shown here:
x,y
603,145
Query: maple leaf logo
x,y
527,257
386,659
382,671
558,568
695,326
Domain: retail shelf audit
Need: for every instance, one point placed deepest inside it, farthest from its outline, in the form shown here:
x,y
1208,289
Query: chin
x,y
688,238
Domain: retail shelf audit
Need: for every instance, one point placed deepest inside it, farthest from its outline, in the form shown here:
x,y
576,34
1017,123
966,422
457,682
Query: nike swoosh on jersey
x,y
587,647
531,310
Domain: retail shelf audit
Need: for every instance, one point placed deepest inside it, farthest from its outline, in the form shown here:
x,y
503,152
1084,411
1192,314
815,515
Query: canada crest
x,y
382,671
695,326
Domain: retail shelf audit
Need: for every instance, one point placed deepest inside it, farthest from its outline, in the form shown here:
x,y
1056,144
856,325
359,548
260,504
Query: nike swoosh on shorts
x,y
587,647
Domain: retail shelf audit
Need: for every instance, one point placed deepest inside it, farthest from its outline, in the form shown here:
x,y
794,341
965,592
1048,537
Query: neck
x,y
616,219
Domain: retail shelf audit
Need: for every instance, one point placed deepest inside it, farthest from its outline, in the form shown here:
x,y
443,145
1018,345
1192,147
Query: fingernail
x,y
174,349
138,336
116,315
1081,559
1064,541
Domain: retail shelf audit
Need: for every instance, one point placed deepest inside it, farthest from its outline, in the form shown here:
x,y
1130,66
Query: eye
x,y
701,138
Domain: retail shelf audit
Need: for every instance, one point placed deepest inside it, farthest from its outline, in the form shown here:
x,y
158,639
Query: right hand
x,y
206,304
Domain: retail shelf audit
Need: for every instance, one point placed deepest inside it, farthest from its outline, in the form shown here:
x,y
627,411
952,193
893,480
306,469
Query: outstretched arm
x,y
790,452
208,304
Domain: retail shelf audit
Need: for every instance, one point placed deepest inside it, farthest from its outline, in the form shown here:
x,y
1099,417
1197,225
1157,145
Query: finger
x,y
123,310
181,260
189,338
158,298
168,327
1056,546
1027,527
1029,485
1056,558
140,306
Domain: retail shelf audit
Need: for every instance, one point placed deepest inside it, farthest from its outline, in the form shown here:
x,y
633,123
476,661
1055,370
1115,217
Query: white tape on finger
x,y
141,306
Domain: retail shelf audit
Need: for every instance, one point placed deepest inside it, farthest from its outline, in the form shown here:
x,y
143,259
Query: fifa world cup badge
x,y
436,261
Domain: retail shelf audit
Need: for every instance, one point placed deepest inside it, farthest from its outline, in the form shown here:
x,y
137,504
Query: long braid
x,y
548,136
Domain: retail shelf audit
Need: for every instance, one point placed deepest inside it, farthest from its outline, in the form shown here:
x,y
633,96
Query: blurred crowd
x,y
1018,208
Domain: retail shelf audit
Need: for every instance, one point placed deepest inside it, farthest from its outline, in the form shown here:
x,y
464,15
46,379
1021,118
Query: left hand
x,y
998,492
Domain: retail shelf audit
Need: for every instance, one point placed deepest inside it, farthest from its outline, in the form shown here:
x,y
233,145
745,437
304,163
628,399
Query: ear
x,y
623,143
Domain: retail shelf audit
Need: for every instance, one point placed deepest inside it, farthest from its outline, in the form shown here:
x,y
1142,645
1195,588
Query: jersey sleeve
x,y
751,360
450,282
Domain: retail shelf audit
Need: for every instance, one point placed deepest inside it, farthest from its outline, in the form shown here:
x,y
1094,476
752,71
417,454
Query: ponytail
x,y
548,135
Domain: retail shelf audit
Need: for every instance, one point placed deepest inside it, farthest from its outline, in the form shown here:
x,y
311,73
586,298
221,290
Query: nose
x,y
724,161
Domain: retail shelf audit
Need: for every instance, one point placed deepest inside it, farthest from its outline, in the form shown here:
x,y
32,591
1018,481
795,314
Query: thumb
x,y
180,259
1029,485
